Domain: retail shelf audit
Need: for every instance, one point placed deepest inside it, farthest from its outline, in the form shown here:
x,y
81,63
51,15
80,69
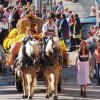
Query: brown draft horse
x,y
28,58
53,54
14,50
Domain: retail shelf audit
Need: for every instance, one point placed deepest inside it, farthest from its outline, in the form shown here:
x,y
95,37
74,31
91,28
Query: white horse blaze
x,y
30,49
49,47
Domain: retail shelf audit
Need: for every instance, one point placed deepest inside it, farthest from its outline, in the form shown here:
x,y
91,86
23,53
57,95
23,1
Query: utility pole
x,y
97,2
41,5
51,5
55,5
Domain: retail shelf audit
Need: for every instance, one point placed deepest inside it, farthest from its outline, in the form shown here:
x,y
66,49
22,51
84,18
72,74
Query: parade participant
x,y
49,27
97,53
83,63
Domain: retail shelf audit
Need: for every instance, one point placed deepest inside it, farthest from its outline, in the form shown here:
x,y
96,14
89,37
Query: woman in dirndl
x,y
83,64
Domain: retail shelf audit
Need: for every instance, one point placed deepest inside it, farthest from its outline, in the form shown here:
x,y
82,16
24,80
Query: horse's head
x,y
32,48
53,46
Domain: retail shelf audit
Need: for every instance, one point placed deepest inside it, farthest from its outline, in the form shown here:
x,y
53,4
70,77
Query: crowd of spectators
x,y
11,13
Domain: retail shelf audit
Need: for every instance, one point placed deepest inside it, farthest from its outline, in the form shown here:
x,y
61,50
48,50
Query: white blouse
x,y
46,27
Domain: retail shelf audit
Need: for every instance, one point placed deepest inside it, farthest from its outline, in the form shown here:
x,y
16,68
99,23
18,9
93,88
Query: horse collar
x,y
30,44
26,59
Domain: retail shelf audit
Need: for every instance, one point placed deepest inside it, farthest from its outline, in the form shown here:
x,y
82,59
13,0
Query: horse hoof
x,y
47,96
59,89
24,96
55,97
50,94
30,97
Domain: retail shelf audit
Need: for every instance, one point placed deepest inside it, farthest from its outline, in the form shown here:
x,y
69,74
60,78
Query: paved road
x,y
70,89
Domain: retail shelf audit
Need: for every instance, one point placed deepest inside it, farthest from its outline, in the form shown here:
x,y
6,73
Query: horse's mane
x,y
52,43
49,47
32,48
29,49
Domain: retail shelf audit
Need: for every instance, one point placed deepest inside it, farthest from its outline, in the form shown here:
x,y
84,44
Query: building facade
x,y
82,7
40,3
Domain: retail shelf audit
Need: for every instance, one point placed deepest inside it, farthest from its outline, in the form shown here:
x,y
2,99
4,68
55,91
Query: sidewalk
x,y
69,77
70,88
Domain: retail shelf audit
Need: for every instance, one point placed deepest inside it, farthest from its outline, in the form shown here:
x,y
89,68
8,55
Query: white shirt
x,y
46,26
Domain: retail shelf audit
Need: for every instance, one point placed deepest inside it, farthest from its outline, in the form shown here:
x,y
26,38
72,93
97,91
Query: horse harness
x,y
28,61
49,61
